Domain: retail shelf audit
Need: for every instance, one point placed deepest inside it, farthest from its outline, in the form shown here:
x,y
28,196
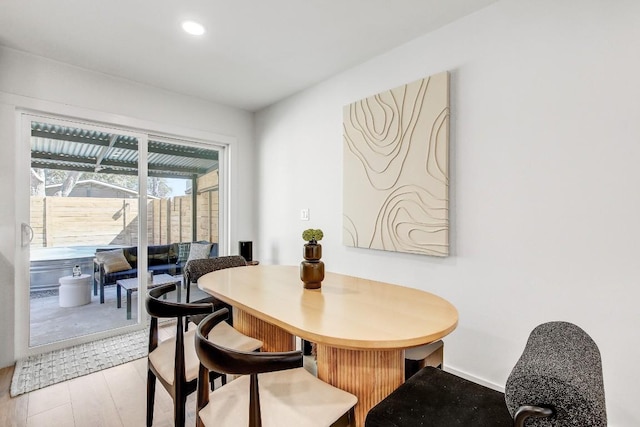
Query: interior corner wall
x,y
545,200
38,81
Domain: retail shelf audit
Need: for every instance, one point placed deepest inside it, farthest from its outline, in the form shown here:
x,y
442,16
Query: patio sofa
x,y
162,259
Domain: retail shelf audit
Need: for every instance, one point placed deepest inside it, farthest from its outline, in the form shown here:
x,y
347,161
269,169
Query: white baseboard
x,y
472,378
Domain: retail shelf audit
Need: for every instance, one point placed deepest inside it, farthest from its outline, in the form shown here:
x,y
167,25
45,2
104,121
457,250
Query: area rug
x,y
46,369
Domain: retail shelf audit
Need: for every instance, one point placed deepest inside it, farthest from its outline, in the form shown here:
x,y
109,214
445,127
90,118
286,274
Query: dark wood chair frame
x,y
220,359
180,388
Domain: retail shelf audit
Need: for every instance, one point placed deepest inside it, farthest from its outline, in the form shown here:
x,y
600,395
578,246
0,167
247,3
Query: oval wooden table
x,y
361,327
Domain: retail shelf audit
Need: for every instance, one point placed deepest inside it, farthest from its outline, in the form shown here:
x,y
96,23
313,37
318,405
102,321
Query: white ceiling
x,y
255,52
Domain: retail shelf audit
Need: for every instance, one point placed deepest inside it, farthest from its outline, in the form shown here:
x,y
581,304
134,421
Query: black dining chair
x,y
556,382
274,390
174,361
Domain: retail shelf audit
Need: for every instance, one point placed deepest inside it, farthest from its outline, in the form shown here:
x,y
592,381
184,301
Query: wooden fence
x,y
79,221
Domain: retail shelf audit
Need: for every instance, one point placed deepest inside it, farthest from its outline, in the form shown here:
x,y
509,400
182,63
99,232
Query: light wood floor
x,y
112,397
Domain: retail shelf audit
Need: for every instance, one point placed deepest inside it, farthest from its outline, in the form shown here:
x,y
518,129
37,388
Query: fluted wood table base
x,y
273,337
371,375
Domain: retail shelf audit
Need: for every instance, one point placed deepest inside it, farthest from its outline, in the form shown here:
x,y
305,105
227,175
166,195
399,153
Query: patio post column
x,y
194,208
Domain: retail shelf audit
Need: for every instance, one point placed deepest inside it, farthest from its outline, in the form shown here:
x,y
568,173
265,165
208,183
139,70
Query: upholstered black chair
x,y
274,390
174,361
556,382
196,268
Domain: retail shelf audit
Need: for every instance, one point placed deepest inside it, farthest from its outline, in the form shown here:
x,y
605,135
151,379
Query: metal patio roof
x,y
75,149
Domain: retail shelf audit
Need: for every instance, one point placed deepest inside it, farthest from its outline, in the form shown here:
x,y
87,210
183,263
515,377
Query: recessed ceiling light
x,y
193,28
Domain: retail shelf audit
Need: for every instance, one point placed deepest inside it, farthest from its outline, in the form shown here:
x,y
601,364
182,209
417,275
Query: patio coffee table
x,y
131,285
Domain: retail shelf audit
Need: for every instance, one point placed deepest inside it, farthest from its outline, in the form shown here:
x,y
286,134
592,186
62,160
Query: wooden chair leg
x,y
179,407
212,378
151,394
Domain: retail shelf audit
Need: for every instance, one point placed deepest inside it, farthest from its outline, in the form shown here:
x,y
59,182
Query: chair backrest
x,y
196,268
229,361
560,368
159,308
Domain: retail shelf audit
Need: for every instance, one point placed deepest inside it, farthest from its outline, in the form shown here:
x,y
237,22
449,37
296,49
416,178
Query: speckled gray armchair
x,y
556,382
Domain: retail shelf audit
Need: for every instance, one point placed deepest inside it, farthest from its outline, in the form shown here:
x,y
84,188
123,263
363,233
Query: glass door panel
x,y
84,206
183,175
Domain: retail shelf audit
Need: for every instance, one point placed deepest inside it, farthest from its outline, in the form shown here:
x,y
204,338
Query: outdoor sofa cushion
x,y
199,251
157,255
183,252
114,261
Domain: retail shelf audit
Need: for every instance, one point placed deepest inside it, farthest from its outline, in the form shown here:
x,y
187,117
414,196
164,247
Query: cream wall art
x,y
396,177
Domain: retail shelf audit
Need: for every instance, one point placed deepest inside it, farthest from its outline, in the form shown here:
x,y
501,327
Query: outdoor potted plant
x,y
312,269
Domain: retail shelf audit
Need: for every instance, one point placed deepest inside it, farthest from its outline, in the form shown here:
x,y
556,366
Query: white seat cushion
x,y
287,398
421,352
225,335
163,358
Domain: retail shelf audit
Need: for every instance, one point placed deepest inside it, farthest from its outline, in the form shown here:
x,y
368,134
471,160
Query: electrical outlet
x,y
304,214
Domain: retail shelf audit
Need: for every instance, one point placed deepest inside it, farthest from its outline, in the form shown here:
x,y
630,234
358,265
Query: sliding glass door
x,y
107,208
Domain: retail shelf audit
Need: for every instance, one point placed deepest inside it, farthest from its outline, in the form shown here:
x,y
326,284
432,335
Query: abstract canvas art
x,y
396,177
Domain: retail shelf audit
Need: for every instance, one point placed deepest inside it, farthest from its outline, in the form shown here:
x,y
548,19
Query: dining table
x,y
361,327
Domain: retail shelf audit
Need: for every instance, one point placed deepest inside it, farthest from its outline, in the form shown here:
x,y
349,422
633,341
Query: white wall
x,y
34,82
545,200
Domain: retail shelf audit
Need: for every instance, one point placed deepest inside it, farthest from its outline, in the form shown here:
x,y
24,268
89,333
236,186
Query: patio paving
x,y
51,323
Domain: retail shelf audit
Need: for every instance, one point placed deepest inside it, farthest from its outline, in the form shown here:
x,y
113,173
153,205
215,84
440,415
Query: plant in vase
x,y
312,269
312,235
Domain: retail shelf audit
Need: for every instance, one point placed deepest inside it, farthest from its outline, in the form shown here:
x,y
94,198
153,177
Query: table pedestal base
x,y
371,375
273,337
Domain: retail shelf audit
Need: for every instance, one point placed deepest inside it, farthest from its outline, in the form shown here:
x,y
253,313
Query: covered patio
x,y
67,228
52,323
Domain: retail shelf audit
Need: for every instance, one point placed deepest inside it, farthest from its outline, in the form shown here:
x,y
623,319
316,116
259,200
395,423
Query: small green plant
x,y
312,236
